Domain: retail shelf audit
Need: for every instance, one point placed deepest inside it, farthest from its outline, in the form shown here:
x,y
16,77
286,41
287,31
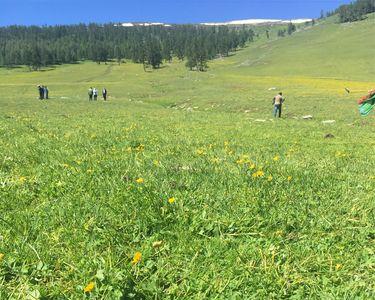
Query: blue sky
x,y
47,12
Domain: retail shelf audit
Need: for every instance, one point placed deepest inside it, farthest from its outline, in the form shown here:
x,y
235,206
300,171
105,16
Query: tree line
x,y
355,11
291,28
37,47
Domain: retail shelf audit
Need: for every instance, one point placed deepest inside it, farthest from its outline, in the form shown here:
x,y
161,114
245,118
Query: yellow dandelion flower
x,y
140,180
137,258
252,166
340,154
276,158
171,200
200,152
22,179
290,178
338,267
89,287
258,174
279,232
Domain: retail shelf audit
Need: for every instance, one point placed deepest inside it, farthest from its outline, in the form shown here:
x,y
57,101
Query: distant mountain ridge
x,y
255,22
259,22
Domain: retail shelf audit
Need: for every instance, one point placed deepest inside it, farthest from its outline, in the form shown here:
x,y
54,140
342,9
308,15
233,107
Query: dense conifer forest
x,y
149,45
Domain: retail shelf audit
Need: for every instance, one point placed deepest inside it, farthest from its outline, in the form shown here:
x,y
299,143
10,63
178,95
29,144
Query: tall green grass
x,y
263,208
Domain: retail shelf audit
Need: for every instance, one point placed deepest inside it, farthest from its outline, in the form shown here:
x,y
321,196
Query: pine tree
x,y
291,28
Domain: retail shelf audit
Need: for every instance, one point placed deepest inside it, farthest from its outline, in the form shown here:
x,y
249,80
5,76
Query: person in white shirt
x,y
95,93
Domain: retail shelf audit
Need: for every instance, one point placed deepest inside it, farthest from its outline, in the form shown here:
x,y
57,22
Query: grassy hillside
x,y
190,170
341,51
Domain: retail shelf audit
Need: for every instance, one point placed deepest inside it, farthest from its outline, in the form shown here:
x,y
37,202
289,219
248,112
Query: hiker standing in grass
x,y
90,93
104,93
95,92
278,101
41,92
45,91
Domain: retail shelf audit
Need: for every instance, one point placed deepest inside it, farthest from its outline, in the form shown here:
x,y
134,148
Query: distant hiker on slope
x,y
104,93
90,93
95,93
278,101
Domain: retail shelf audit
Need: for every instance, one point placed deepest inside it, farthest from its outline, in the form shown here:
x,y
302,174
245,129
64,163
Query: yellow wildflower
x,y
258,174
171,200
338,267
279,232
89,287
137,258
340,154
276,158
22,179
200,152
252,166
140,180
270,178
290,178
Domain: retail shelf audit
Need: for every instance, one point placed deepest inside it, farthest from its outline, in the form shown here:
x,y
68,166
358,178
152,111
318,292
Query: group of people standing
x,y
93,94
43,92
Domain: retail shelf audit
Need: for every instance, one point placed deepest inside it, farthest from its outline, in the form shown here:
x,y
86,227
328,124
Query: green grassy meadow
x,y
191,171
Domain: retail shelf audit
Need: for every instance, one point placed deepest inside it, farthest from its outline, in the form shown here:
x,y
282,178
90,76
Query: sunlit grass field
x,y
183,186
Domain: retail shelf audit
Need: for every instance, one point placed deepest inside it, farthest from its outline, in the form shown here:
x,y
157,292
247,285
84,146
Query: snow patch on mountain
x,y
259,22
145,24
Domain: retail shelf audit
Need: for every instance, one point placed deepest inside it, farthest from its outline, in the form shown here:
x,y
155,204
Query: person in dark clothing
x,y
90,93
45,91
41,92
104,93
